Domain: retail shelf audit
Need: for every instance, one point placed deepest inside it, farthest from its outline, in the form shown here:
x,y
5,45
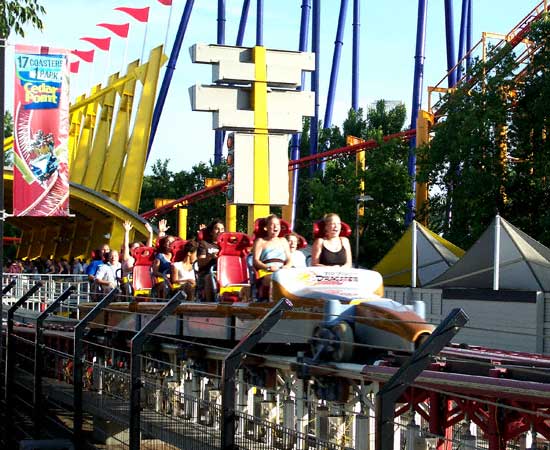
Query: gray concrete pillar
x,y
321,423
337,424
302,415
187,395
196,395
241,400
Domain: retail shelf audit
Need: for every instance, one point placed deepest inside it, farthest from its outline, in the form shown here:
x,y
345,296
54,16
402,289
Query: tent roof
x,y
434,256
524,263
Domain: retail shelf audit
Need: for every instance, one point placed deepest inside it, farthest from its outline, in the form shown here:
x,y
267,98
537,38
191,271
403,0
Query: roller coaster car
x,y
350,308
334,311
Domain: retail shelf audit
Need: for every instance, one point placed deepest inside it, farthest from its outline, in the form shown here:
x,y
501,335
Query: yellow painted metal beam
x,y
131,179
98,153
82,157
117,148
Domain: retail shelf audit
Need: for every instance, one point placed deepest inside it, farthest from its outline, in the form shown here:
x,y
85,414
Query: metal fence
x,y
52,287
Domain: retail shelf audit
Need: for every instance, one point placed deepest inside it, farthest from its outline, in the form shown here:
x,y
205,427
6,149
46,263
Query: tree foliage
x,y
490,153
165,184
15,14
386,180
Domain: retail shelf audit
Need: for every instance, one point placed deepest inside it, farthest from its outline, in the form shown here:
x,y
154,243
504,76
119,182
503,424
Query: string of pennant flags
x,y
121,30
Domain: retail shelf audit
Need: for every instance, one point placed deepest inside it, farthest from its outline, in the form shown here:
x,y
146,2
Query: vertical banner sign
x,y
41,127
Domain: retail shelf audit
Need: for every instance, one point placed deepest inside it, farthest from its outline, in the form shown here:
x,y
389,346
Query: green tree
x,y
386,181
8,131
464,163
15,14
165,184
529,182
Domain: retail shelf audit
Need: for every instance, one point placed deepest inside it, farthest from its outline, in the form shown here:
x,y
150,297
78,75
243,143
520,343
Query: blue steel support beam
x,y
242,23
315,48
469,33
163,93
218,136
450,40
462,38
338,42
355,55
416,100
295,142
260,22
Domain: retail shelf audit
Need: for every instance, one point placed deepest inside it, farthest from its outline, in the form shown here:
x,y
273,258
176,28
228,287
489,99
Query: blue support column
x,y
295,142
450,40
469,33
260,22
218,137
416,100
339,41
163,93
315,48
242,22
355,55
462,39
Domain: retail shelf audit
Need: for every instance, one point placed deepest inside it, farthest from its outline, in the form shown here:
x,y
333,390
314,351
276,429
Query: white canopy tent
x,y
504,257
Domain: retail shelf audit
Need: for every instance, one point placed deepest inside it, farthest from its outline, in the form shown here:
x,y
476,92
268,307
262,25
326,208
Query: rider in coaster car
x,y
270,253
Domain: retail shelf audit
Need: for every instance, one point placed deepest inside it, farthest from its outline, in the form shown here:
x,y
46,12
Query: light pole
x,y
359,199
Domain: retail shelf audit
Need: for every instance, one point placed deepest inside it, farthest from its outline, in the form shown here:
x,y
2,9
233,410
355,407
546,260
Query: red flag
x,y
74,66
140,14
120,30
166,2
85,56
100,43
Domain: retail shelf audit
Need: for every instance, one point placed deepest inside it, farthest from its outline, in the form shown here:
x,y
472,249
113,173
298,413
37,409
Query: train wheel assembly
x,y
334,342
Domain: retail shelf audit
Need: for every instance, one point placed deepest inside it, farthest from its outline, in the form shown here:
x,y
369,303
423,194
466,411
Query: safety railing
x,y
52,286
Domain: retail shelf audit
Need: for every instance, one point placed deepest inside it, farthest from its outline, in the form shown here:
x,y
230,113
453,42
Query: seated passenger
x,y
298,258
107,274
91,269
270,253
331,249
183,273
162,266
207,254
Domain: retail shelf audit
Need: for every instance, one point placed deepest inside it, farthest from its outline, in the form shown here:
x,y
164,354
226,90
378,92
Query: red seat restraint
x,y
177,250
142,281
302,242
261,223
232,271
319,229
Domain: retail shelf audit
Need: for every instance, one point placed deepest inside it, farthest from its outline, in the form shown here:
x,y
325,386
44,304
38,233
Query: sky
x,y
387,47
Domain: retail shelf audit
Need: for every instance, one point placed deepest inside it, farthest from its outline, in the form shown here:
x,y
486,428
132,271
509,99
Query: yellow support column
x,y
287,210
78,169
131,178
423,123
360,164
230,217
182,223
260,208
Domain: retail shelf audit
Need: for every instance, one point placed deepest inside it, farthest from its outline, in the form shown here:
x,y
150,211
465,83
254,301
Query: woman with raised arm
x,y
331,249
